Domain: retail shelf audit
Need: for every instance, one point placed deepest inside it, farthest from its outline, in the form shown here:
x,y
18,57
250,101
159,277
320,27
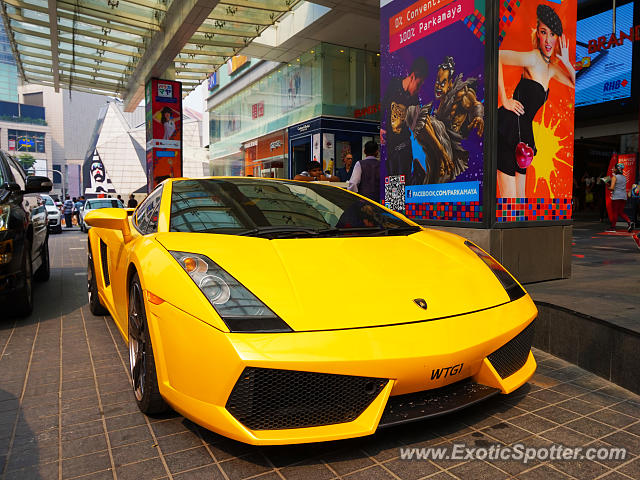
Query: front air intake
x,y
268,399
512,356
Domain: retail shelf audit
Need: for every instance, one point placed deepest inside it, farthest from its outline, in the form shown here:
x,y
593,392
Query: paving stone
x,y
188,459
74,467
152,468
376,472
130,435
209,472
179,441
134,452
411,469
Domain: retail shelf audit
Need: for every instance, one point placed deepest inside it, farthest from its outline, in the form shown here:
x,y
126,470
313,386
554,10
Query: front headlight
x,y
514,290
240,309
4,217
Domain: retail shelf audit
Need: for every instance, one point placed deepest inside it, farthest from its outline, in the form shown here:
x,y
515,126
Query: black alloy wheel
x,y
95,305
23,304
44,271
141,360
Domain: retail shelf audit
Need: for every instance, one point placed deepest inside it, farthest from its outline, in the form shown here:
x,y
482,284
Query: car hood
x,y
353,282
52,210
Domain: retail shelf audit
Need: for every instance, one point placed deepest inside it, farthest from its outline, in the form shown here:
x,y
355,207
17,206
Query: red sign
x,y
257,110
363,112
611,41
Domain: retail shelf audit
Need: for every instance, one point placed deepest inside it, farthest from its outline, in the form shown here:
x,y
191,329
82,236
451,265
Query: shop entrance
x,y
301,154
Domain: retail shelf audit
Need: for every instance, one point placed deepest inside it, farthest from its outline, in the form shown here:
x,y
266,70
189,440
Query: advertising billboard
x,y
536,90
604,67
432,108
163,114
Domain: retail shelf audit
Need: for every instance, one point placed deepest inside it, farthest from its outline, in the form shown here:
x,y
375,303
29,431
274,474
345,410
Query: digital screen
x,y
604,75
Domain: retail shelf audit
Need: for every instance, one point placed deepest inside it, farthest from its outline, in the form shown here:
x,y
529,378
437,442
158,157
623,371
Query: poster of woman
x,y
536,91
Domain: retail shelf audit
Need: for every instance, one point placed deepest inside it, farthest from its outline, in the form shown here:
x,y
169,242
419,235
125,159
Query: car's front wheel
x,y
95,305
141,360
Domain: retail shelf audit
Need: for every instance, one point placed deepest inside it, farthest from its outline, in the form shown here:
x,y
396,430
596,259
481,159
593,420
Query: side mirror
x,y
111,218
36,184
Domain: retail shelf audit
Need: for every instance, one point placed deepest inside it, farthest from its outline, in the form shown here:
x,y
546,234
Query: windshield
x,y
254,207
49,202
103,203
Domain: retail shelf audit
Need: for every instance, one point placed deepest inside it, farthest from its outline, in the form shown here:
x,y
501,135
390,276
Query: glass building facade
x,y
326,81
8,69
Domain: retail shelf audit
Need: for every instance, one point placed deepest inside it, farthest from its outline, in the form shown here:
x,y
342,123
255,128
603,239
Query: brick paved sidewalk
x,y
66,411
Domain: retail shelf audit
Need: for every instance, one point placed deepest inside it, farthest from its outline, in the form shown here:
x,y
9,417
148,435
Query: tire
x,y
95,305
23,304
141,361
44,272
58,228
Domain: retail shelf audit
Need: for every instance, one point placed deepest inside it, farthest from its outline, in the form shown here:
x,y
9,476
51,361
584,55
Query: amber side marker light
x,y
156,300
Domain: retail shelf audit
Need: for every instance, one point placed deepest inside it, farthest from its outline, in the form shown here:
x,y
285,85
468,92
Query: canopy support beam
x,y
53,29
181,22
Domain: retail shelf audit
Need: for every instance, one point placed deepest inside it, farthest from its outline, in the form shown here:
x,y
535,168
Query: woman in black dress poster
x,y
549,59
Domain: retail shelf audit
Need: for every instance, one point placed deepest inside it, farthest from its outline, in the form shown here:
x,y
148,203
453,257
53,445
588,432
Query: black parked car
x,y
24,240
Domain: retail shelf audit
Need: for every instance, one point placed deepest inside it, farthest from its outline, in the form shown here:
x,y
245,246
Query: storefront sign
x,y
163,115
363,112
274,145
304,128
257,110
611,41
432,112
252,143
212,81
236,63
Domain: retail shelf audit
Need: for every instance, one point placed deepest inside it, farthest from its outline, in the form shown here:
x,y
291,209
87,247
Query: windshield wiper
x,y
279,231
372,231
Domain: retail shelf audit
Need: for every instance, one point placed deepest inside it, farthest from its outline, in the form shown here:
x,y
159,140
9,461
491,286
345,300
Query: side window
x,y
147,213
17,172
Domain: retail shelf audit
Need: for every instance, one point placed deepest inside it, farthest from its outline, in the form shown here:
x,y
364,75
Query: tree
x,y
27,161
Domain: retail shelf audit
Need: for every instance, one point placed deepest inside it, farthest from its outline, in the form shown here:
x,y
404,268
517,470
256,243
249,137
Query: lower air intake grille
x,y
512,356
268,399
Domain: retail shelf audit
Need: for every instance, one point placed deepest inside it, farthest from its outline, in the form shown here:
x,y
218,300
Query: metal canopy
x,y
113,46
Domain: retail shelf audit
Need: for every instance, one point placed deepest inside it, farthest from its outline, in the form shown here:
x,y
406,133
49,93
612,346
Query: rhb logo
x,y
614,85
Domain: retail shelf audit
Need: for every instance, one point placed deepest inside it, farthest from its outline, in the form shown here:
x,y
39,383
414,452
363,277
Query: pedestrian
x,y
68,211
78,205
344,173
634,197
132,203
618,187
365,178
314,173
119,197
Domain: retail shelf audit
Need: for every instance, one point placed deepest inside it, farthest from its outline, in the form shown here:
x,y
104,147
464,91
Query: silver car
x,y
94,204
53,212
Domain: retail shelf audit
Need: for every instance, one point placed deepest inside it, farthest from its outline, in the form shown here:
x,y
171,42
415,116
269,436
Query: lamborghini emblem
x,y
421,302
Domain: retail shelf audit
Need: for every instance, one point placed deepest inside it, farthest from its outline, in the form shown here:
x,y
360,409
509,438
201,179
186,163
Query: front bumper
x,y
199,366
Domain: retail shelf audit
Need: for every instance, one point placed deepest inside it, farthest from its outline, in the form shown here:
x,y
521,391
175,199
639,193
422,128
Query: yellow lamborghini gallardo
x,y
277,312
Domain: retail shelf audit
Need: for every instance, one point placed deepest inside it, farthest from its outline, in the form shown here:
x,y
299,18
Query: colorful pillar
x,y
163,116
477,101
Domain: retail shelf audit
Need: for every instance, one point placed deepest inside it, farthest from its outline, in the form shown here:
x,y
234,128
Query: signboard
x,y
604,60
432,110
257,110
236,63
536,85
163,114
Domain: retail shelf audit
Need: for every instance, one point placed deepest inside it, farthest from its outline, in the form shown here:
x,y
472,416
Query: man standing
x,y
132,203
68,211
365,178
401,93
344,173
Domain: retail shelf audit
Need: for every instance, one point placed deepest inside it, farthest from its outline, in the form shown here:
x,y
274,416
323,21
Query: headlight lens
x,y
4,217
514,290
240,309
